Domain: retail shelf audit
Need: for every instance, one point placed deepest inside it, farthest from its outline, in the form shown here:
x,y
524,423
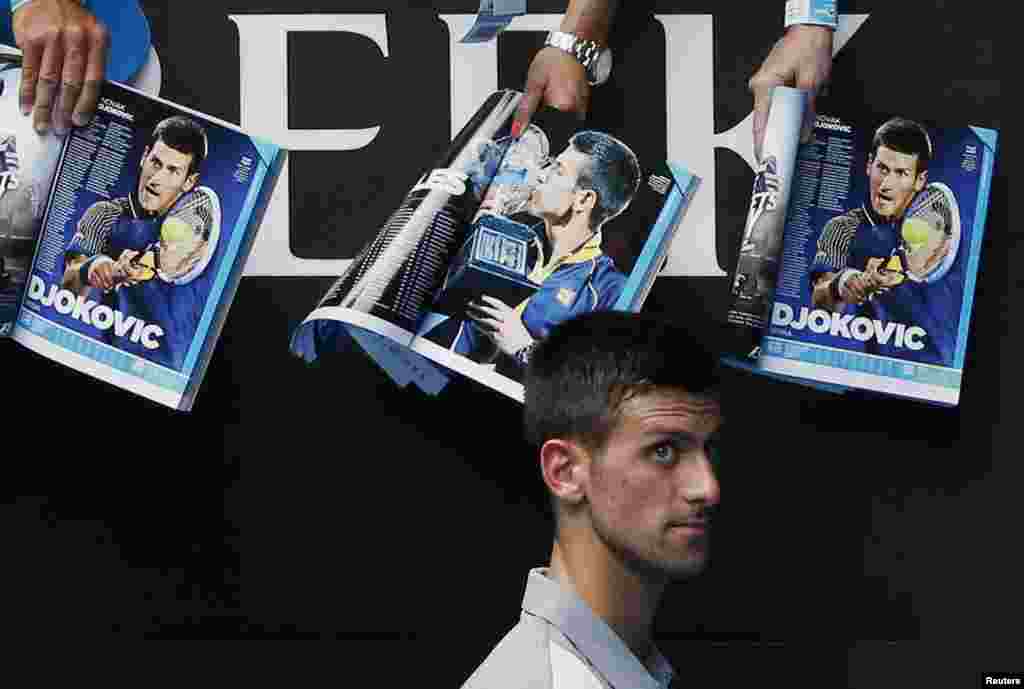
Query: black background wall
x,y
875,539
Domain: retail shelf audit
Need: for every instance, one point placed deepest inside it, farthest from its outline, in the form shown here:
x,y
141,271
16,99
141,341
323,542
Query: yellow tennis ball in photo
x,y
916,231
175,230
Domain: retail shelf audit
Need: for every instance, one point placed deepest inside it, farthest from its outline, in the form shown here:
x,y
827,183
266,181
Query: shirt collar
x,y
592,637
587,251
133,207
875,219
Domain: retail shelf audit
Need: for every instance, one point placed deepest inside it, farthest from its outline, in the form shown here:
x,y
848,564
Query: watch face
x,y
602,68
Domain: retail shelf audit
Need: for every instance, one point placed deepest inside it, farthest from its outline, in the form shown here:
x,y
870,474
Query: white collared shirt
x,y
559,643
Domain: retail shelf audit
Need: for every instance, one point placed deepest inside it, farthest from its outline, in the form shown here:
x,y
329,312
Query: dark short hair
x,y
185,136
613,173
904,136
582,372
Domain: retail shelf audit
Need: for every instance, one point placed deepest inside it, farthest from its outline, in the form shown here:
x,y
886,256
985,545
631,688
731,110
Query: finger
x,y
75,51
761,87
46,86
31,60
95,67
103,276
528,105
493,301
485,324
583,100
482,311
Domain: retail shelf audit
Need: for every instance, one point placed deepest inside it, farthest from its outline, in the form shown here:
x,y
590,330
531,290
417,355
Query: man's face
x,y
650,488
163,177
894,180
555,193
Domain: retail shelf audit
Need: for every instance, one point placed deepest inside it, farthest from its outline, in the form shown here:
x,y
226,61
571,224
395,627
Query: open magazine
x,y
858,261
504,238
121,244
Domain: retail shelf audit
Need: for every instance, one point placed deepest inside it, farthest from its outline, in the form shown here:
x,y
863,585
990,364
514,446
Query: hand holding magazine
x,y
501,240
121,245
859,257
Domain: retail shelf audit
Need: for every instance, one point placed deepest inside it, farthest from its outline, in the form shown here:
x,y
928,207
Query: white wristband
x,y
17,4
845,276
817,12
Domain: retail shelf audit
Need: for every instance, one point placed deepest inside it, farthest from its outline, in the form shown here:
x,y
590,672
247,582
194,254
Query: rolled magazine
x,y
760,251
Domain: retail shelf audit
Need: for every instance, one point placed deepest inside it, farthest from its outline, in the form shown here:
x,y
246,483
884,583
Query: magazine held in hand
x,y
121,244
505,237
857,265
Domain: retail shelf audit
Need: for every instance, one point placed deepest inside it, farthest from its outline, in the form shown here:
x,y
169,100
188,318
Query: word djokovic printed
x,y
99,316
850,327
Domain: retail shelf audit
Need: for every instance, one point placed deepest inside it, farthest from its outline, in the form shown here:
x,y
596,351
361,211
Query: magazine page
x,y
27,163
388,286
573,222
881,250
152,211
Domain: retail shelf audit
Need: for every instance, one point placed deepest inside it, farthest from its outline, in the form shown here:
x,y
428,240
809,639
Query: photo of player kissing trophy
x,y
500,240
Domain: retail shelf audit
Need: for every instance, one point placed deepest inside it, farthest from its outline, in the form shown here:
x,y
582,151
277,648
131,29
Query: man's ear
x,y
921,181
565,468
585,200
190,182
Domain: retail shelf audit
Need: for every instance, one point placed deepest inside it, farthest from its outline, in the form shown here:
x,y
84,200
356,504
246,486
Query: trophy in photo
x,y
500,252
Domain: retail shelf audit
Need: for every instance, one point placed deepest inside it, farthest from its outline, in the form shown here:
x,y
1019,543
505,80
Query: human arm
x,y
834,283
833,291
64,60
555,77
85,264
801,58
101,272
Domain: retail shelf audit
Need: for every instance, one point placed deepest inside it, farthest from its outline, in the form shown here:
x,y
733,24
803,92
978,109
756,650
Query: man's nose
x,y
701,483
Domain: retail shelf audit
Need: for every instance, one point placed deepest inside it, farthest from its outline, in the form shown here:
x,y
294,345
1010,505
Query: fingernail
x,y
26,109
517,128
42,127
60,130
81,118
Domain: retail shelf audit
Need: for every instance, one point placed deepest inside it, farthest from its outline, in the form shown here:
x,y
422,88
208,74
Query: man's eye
x,y
664,453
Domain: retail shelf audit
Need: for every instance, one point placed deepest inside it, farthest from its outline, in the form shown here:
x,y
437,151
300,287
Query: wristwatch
x,y
594,58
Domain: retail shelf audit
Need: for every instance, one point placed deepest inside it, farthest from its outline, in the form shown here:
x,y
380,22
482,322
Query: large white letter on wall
x,y
264,100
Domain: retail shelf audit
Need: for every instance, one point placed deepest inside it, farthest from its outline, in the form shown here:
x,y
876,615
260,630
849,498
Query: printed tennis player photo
x,y
502,238
886,276
554,224
134,272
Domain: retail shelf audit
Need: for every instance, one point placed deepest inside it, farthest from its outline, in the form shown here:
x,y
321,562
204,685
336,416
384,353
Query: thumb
x,y
762,106
527,106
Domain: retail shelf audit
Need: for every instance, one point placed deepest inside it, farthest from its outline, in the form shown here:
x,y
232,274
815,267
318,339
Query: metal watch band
x,y
586,51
